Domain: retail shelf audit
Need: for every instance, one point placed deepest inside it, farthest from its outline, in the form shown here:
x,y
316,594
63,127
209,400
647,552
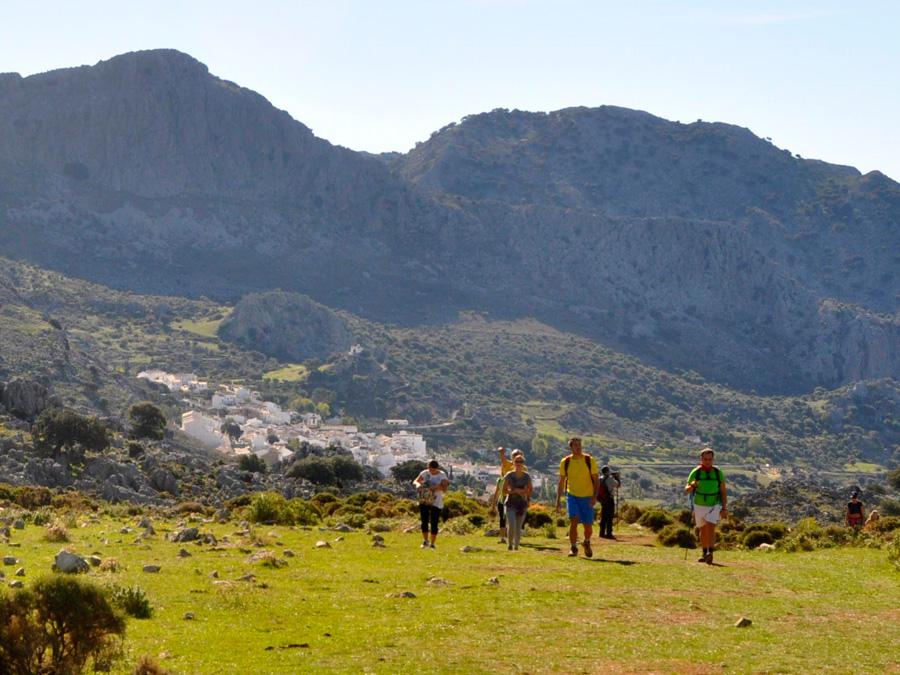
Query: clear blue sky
x,y
820,78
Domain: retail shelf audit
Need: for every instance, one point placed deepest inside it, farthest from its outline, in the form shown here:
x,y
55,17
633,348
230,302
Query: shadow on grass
x,y
614,562
541,547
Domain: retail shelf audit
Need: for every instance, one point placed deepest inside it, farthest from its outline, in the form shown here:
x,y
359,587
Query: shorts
x,y
706,514
501,511
580,507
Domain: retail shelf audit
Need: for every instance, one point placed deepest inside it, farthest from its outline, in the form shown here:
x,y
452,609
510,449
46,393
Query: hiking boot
x,y
702,558
509,547
709,560
424,544
432,545
588,551
573,551
502,540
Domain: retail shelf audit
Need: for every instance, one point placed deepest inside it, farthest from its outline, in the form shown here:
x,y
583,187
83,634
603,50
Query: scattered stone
x,y
342,527
370,581
437,581
19,524
145,523
378,544
152,569
247,577
10,560
189,616
377,537
20,572
339,539
209,538
493,581
410,529
125,530
70,563
492,533
470,549
765,547
189,534
404,594
743,622
4,532
287,553
16,584
95,560
323,544
2,575
183,553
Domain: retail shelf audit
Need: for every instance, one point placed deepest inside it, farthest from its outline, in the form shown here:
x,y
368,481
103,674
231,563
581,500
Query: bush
x,y
629,513
252,463
346,468
476,519
655,519
149,666
538,516
549,530
56,533
676,534
268,507
883,525
893,553
753,538
32,497
685,517
238,502
147,421
133,601
192,507
889,507
406,472
61,626
775,530
317,470
457,504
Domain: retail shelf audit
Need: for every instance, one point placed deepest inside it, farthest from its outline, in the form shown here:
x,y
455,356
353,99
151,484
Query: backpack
x,y
602,490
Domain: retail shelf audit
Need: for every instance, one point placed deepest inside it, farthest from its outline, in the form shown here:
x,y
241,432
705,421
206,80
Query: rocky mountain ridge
x,y
694,247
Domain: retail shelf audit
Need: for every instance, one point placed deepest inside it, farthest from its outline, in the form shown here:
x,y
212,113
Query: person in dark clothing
x,y
856,513
606,495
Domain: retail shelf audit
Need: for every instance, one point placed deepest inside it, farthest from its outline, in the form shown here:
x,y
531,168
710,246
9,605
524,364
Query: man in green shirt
x,y
707,485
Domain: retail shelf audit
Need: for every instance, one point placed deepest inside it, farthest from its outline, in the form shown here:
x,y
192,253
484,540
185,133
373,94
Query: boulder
x,y
25,399
16,584
152,569
70,563
323,544
743,622
163,480
19,524
10,560
20,572
188,534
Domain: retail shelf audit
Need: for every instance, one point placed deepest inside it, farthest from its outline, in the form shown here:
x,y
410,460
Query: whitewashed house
x,y
202,428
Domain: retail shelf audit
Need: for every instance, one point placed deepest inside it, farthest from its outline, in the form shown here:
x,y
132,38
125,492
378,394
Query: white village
x,y
268,432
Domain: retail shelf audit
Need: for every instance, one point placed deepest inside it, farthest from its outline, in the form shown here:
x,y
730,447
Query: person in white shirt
x,y
431,485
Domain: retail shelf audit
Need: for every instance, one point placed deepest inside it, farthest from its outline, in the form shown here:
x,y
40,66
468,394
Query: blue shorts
x,y
580,507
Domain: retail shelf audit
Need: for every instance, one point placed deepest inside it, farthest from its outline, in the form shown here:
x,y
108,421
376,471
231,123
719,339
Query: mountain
x,y
695,247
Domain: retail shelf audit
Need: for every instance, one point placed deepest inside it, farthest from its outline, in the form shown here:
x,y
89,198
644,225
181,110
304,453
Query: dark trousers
x,y
607,511
429,515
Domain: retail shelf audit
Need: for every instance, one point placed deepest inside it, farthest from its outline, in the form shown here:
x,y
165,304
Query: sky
x,y
820,78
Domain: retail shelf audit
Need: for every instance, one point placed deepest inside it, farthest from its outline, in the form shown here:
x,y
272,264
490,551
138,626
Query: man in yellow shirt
x,y
578,479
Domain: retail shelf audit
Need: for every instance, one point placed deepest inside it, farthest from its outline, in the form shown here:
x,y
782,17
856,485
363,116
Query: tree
x,y
316,470
147,421
59,429
231,429
272,438
252,463
406,472
346,468
894,479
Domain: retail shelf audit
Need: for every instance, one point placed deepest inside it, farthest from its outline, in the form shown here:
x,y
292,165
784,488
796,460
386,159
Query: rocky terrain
x,y
692,246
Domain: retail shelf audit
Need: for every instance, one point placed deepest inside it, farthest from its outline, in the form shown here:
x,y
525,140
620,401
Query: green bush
x,y
457,504
884,525
753,538
538,518
655,519
549,530
273,508
252,463
893,553
132,600
676,534
685,517
317,470
775,530
60,626
476,519
629,513
889,507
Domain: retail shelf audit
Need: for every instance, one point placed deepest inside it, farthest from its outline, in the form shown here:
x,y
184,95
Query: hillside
x,y
480,381
694,247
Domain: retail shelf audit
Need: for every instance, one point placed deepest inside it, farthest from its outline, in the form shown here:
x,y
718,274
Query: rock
x,y
16,584
188,616
470,549
182,553
25,399
4,532
208,538
377,537
287,553
323,544
70,563
765,547
20,572
163,480
145,523
404,594
9,560
247,577
95,560
125,530
378,544
151,569
214,574
337,539
743,622
19,524
188,534
493,581
342,527
437,581
492,533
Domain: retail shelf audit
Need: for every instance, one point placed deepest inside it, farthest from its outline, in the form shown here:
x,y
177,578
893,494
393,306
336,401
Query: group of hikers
x,y
585,485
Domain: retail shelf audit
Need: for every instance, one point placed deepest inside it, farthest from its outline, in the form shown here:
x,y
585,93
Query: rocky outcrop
x,y
25,398
288,326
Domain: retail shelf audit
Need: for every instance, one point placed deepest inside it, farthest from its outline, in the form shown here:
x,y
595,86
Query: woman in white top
x,y
432,483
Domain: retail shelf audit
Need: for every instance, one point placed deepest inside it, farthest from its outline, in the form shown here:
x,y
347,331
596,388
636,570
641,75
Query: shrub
x,y
59,627
147,421
538,516
56,533
685,517
192,507
836,535
884,525
72,501
406,472
893,553
110,565
629,513
149,666
753,538
272,507
252,463
889,507
655,519
476,519
775,530
676,534
549,530
346,468
239,502
133,601
32,497
324,497
457,504
317,470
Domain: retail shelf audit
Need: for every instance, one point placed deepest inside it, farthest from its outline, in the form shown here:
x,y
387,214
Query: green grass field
x,y
635,607
293,372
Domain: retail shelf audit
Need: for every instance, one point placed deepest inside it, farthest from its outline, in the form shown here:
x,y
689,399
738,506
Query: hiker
x,y
517,487
506,464
498,507
431,485
855,512
709,498
578,479
872,520
607,487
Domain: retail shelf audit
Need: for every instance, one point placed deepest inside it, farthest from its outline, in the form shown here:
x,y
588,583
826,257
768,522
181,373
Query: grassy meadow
x,y
635,607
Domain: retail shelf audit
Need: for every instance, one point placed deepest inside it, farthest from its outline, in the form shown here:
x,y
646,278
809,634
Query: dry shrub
x,y
110,565
56,533
149,666
629,513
